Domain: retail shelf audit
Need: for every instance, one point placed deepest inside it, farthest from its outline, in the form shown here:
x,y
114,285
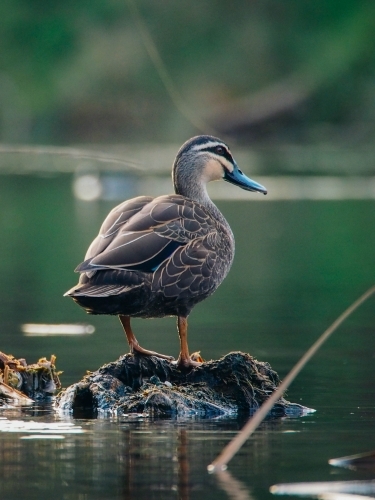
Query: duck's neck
x,y
198,192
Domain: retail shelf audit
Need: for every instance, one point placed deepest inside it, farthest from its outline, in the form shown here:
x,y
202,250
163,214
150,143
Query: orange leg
x,y
133,342
184,359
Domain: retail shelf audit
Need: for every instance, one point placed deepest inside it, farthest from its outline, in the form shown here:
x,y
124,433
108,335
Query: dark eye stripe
x,y
225,153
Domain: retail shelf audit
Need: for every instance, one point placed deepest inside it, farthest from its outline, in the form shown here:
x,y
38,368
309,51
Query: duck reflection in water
x,y
156,257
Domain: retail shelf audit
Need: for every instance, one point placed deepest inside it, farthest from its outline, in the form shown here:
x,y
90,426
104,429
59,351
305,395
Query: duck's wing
x,y
189,271
114,221
149,236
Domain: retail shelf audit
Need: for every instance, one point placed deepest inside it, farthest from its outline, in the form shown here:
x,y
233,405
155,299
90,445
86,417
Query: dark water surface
x,y
298,265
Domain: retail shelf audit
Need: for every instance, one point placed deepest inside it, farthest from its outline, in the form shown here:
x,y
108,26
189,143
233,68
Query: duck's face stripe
x,y
224,157
219,151
208,145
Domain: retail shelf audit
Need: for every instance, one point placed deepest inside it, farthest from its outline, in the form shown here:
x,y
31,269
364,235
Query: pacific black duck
x,y
156,257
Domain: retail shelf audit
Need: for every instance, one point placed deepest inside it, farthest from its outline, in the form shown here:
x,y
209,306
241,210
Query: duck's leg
x,y
184,359
133,342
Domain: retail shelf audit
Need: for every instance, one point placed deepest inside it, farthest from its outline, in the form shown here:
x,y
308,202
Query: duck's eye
x,y
219,150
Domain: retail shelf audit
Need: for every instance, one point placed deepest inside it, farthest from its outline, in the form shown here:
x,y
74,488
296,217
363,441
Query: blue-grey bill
x,y
239,179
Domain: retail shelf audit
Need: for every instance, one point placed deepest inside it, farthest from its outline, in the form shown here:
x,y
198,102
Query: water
x,y
298,265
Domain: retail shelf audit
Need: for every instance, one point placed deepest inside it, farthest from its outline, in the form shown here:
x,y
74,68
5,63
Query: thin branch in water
x,y
233,446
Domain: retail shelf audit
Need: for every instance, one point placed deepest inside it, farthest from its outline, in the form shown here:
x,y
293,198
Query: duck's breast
x,y
196,269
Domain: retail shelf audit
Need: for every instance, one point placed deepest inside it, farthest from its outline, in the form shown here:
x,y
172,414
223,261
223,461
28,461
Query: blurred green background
x,y
79,71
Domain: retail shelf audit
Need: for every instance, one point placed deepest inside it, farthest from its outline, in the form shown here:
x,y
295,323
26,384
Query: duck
x,y
157,257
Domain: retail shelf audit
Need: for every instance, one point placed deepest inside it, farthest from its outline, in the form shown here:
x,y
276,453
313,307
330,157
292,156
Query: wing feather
x,y
114,221
142,233
98,291
187,273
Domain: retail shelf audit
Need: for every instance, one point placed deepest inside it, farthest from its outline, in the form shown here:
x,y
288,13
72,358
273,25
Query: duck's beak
x,y
239,179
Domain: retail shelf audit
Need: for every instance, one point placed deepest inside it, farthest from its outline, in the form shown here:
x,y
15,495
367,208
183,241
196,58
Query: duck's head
x,y
203,159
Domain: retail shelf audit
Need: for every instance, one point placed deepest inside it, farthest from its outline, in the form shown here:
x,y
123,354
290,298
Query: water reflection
x,y
182,456
42,429
125,459
235,489
43,329
139,458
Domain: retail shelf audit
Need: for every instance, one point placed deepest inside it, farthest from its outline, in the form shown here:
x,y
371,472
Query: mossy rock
x,y
234,384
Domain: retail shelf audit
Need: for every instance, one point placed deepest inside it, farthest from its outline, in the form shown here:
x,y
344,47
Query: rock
x,y
234,384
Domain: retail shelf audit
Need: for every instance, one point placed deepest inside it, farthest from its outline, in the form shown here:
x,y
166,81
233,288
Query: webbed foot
x,y
191,362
